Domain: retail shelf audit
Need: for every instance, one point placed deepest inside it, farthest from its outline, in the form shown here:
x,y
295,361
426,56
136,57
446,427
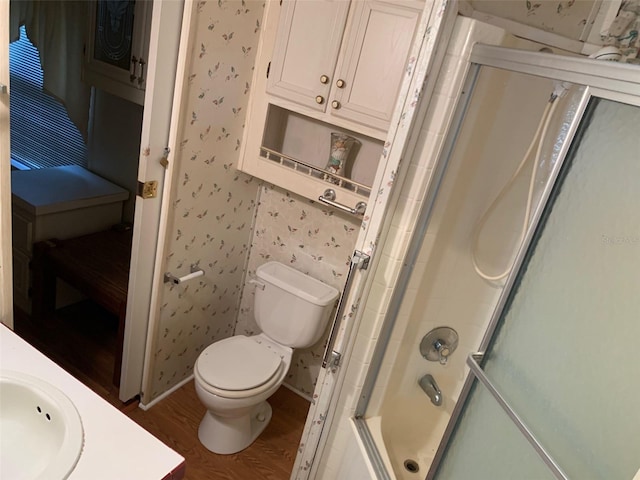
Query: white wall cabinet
x,y
326,66
373,62
346,58
116,53
306,51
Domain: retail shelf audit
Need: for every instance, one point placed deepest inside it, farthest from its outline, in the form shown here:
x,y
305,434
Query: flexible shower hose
x,y
540,134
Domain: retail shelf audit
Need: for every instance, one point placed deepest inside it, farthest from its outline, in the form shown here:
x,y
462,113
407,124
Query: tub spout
x,y
430,387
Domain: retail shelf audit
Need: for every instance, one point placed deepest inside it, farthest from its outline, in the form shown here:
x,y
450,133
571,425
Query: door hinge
x,y
148,189
268,68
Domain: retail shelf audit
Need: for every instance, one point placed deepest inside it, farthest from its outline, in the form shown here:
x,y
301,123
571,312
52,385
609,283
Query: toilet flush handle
x,y
257,283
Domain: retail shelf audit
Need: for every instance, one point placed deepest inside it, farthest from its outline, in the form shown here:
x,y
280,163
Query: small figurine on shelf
x,y
341,146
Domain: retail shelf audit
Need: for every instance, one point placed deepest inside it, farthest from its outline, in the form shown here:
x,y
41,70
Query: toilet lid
x,y
237,363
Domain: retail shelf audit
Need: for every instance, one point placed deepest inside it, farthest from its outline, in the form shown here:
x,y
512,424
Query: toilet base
x,y
227,435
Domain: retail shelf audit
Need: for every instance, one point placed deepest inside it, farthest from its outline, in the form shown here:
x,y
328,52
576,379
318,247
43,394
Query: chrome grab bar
x,y
360,261
476,369
329,197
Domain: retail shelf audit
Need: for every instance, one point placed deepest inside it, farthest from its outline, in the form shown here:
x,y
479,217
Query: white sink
x,y
41,431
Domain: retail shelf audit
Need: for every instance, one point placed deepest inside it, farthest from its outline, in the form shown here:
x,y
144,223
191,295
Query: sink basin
x,y
42,435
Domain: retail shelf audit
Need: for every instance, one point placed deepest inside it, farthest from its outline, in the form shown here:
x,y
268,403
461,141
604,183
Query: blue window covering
x,y
41,133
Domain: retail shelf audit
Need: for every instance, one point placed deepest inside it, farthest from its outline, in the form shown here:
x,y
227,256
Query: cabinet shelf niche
x,y
302,144
315,172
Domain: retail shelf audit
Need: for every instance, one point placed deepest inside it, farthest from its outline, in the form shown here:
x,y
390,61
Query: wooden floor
x,y
85,349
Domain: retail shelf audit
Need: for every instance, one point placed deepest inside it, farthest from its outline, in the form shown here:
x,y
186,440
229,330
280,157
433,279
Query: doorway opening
x,y
57,186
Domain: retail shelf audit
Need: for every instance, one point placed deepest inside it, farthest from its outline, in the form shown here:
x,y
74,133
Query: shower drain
x,y
411,466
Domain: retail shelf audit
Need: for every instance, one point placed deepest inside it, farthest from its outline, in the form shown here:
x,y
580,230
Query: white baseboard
x,y
161,397
298,392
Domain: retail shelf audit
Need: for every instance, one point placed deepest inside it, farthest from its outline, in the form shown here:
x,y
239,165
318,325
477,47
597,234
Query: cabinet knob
x,y
335,104
324,79
340,83
319,99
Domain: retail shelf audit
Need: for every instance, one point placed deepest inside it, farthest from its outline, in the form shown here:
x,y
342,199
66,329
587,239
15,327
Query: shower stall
x,y
528,247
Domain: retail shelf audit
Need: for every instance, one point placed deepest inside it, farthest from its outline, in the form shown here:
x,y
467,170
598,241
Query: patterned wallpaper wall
x,y
213,204
623,32
214,207
564,17
310,238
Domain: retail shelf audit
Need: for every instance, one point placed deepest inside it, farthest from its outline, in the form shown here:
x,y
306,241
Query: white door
x,y
166,26
6,276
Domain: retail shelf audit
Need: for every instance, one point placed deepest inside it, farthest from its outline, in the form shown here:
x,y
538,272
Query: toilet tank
x,y
293,308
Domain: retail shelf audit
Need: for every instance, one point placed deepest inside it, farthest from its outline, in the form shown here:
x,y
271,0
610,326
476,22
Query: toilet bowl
x,y
235,398
234,377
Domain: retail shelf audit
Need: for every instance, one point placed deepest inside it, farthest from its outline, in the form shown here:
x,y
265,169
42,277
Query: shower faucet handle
x,y
438,344
443,351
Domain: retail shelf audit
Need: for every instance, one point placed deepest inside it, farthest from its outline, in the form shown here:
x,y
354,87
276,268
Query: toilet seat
x,y
256,367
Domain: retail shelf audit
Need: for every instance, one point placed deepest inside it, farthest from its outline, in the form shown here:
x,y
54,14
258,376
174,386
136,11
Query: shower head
x,y
610,54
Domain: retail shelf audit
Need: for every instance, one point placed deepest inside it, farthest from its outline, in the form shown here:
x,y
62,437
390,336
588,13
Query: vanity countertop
x,y
115,447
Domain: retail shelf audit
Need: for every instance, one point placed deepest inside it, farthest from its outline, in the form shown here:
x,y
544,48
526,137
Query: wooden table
x,y
97,265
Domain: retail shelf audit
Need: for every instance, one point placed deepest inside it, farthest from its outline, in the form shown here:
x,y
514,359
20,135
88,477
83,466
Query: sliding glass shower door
x,y
556,391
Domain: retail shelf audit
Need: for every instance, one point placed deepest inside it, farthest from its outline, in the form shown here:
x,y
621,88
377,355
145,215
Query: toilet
x,y
234,377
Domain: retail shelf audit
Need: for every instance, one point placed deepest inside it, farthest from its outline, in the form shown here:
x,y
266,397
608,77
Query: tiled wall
x,y
468,317
412,196
311,238
213,204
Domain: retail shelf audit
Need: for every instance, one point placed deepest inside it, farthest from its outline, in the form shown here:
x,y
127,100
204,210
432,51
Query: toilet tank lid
x,y
297,283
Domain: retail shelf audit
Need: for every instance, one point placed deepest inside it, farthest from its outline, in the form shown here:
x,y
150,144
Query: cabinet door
x,y
306,50
116,57
376,51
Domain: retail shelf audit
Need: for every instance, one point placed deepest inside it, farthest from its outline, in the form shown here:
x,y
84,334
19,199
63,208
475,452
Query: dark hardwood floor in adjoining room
x,y
82,339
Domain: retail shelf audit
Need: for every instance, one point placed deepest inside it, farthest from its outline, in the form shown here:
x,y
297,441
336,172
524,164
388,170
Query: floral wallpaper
x,y
314,239
217,222
564,17
623,32
213,205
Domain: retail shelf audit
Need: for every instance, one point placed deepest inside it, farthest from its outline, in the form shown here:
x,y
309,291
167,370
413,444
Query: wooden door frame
x,y
159,127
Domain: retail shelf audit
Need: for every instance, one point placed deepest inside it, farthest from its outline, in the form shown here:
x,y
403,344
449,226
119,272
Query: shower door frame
x,y
601,80
606,80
